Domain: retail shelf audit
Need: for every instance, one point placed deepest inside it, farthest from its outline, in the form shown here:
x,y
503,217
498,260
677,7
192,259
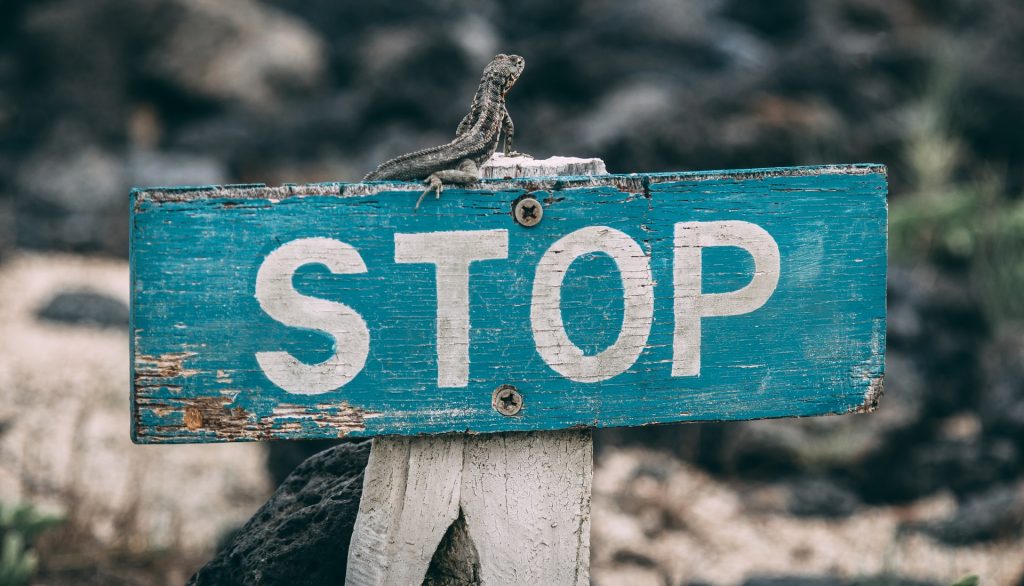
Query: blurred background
x,y
97,96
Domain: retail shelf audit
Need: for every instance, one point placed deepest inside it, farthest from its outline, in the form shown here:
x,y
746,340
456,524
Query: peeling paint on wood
x,y
815,344
149,370
215,419
872,396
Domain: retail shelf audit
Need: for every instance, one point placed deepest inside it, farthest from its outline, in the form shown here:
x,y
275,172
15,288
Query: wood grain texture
x,y
501,167
524,498
816,346
411,494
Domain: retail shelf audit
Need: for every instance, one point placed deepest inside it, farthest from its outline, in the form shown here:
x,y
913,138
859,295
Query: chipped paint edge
x,y
213,418
629,182
872,396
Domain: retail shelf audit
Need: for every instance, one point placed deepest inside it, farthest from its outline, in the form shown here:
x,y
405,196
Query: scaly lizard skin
x,y
476,138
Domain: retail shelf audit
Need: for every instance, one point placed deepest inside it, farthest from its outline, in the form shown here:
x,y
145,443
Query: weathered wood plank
x,y
524,499
411,495
814,346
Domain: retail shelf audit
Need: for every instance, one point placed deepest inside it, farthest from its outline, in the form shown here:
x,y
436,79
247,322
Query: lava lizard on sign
x,y
476,138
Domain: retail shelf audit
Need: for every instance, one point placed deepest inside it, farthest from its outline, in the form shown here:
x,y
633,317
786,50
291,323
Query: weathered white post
x,y
515,506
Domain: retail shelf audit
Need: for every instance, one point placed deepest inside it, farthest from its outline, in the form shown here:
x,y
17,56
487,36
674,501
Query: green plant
x,y
957,213
19,526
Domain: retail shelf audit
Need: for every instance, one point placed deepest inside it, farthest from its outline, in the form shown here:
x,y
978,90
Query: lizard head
x,y
505,70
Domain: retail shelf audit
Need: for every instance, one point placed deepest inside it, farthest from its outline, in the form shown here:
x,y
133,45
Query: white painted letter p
x,y
691,305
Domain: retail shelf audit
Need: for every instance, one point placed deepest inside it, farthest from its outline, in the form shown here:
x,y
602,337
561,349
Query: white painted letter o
x,y
549,335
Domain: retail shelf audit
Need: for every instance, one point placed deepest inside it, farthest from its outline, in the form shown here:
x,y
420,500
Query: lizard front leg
x,y
467,172
509,130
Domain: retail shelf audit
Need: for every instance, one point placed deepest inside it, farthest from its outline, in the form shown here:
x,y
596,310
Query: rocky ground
x,y
99,95
658,520
64,422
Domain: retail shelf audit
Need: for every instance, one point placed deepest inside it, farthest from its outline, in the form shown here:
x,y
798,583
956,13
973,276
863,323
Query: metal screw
x,y
507,400
528,211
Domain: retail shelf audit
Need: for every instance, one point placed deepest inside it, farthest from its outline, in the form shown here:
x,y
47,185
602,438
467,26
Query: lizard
x,y
476,137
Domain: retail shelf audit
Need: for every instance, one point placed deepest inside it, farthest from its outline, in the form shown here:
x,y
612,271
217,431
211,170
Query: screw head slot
x,y
507,400
527,211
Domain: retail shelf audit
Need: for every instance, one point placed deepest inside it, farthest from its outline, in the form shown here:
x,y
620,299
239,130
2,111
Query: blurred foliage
x,y
965,220
967,581
19,526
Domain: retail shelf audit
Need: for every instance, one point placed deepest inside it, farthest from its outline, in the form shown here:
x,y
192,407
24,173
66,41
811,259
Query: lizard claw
x,y
433,184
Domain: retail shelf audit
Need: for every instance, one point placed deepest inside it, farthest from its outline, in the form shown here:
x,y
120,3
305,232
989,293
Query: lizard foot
x,y
513,154
434,184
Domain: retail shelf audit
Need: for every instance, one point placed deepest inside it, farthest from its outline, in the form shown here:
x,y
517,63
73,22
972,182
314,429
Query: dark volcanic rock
x,y
86,308
819,497
795,581
995,513
72,195
283,457
7,223
1002,395
991,104
945,335
777,20
963,466
456,561
924,467
301,535
883,580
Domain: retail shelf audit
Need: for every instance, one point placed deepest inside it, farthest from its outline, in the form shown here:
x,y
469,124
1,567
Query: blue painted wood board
x,y
815,346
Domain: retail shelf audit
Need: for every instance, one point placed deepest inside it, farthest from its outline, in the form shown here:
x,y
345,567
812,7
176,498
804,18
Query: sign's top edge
x,y
767,172
618,180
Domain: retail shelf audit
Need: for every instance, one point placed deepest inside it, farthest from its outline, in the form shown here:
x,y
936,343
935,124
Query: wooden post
x,y
508,508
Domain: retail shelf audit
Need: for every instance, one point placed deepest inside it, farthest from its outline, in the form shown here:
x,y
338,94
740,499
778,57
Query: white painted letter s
x,y
279,299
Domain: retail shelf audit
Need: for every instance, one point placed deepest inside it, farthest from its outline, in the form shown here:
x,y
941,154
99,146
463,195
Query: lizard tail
x,y
419,164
